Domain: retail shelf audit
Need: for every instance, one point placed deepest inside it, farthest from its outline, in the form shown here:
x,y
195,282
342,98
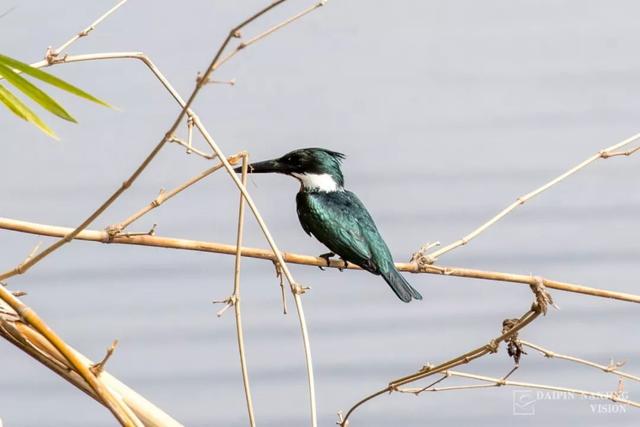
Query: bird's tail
x,y
400,286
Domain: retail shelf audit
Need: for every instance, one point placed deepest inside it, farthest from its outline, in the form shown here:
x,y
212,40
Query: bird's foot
x,y
346,264
327,258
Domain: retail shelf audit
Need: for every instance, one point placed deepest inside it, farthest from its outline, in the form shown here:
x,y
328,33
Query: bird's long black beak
x,y
268,166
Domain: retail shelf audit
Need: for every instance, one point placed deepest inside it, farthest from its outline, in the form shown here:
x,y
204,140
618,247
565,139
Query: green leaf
x,y
20,109
32,91
50,79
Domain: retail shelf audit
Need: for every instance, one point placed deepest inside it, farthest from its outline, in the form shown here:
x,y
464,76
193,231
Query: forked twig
x,y
255,39
51,55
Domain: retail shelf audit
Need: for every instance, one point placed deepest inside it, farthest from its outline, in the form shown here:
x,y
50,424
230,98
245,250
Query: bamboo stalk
x,y
26,314
37,346
294,258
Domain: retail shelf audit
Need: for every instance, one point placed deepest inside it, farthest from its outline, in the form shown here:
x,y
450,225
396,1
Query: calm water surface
x,y
448,112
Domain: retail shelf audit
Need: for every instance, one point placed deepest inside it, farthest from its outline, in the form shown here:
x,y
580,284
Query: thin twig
x,y
499,382
602,154
610,368
294,258
52,54
166,195
236,306
245,44
97,368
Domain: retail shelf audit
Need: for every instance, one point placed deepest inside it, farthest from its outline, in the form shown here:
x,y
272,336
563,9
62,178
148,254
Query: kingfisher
x,y
336,216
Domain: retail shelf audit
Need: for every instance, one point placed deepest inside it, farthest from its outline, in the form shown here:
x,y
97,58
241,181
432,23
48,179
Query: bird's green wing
x,y
341,222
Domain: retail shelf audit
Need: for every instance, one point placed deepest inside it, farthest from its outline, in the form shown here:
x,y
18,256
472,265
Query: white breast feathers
x,y
322,182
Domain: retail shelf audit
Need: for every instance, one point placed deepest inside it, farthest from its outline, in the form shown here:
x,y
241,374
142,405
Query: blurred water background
x,y
447,110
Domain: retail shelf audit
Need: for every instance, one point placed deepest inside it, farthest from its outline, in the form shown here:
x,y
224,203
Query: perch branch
x,y
293,258
602,154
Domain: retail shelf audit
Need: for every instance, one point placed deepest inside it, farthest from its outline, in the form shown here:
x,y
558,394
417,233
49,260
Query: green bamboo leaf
x,y
32,91
20,109
50,79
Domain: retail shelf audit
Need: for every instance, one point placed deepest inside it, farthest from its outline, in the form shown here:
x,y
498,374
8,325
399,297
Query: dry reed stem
x,y
294,258
26,314
237,300
428,370
498,382
602,154
610,368
37,346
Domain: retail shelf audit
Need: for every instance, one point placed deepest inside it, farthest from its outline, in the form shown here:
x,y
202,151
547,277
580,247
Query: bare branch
x,y
498,382
612,367
52,54
602,154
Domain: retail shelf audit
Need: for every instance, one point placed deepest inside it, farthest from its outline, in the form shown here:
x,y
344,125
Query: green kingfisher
x,y
336,216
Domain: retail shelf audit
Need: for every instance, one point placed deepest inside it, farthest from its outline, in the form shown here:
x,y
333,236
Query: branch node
x,y
421,258
229,302
299,290
493,346
514,347
97,368
280,277
543,298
